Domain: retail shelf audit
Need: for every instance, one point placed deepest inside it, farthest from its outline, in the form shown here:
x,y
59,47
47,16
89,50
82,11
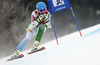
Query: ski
x,y
16,57
40,49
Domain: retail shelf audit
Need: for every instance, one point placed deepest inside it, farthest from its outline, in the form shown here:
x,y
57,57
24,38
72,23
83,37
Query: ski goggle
x,y
42,10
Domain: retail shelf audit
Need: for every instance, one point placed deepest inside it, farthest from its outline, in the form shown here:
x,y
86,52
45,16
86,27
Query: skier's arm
x,y
48,21
34,22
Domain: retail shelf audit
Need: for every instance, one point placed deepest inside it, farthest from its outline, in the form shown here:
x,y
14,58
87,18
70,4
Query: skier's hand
x,y
47,21
41,17
46,18
38,20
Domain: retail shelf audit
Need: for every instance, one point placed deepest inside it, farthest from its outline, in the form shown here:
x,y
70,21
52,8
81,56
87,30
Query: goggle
x,y
42,10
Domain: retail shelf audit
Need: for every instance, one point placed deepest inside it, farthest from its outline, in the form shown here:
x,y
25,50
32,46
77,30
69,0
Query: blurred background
x,y
15,15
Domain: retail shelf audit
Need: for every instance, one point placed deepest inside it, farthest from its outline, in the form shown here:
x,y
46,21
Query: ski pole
x,y
54,30
76,21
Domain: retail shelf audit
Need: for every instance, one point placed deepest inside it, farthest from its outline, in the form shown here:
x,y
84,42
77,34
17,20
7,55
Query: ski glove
x,y
43,18
46,18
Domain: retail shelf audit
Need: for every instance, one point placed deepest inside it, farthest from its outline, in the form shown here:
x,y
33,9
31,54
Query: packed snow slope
x,y
72,50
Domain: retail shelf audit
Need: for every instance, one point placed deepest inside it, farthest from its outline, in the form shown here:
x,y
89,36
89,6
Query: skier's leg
x,y
26,39
41,30
30,33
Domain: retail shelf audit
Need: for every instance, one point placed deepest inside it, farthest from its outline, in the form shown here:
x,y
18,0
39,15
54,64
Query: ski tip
x,y
21,55
43,47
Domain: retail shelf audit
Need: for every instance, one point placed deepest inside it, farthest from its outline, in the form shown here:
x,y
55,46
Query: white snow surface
x,y
72,50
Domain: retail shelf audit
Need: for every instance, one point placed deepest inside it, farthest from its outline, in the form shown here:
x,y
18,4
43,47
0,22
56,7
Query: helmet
x,y
40,5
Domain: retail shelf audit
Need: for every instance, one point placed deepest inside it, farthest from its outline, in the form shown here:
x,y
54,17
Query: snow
x,y
72,50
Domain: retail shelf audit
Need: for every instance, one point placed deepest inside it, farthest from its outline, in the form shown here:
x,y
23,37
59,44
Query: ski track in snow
x,y
72,50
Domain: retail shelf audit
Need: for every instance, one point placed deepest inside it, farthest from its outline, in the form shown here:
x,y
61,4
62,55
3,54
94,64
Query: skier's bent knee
x,y
30,30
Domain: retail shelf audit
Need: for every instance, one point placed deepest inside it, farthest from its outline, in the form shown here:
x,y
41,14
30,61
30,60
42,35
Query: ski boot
x,y
16,53
36,46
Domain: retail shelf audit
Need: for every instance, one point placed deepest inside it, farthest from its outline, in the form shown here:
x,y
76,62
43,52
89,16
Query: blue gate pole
x,y
76,21
54,29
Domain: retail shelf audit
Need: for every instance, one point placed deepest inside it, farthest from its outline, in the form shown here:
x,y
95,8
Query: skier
x,y
40,21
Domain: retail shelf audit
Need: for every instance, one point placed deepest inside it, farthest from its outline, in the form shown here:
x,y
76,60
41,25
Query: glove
x,y
48,25
43,18
40,18
46,18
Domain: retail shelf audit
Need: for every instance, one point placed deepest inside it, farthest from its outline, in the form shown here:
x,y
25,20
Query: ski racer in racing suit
x,y
40,21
